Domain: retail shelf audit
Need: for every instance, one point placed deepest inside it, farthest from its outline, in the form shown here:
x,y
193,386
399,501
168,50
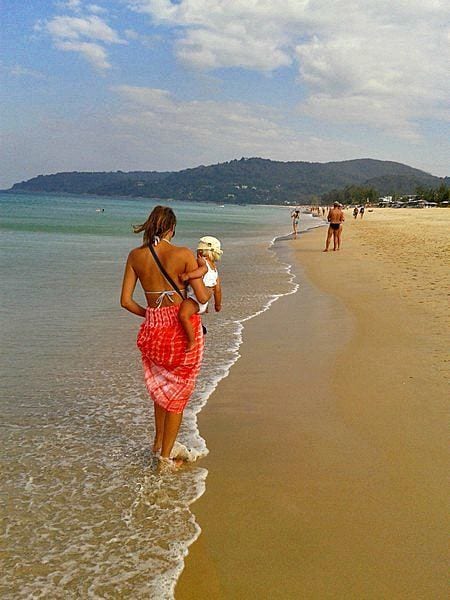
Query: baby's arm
x,y
218,295
198,273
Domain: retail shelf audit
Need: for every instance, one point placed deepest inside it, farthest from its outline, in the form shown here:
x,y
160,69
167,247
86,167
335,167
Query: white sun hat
x,y
208,242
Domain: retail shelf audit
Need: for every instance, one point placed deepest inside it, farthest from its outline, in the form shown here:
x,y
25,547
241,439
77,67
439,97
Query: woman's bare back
x,y
174,259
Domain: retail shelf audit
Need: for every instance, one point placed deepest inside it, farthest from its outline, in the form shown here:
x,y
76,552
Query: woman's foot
x,y
168,465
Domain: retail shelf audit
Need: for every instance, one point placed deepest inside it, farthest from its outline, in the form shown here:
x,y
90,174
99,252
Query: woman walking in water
x,y
170,372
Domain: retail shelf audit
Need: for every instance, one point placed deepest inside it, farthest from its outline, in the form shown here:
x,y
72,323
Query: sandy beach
x,y
328,457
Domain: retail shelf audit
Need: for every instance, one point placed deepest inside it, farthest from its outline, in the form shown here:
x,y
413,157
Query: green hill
x,y
248,180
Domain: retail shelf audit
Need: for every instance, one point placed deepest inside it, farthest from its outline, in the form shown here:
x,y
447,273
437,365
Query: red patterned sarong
x,y
170,372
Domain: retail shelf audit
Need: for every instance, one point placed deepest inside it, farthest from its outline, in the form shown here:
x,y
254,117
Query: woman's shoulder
x,y
182,251
137,252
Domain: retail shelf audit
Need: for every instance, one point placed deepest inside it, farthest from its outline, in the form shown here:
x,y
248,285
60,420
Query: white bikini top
x,y
164,294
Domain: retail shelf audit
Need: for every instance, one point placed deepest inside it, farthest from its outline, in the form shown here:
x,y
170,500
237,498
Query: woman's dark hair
x,y
160,220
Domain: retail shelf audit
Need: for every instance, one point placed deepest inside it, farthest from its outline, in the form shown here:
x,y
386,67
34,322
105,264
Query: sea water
x,y
86,513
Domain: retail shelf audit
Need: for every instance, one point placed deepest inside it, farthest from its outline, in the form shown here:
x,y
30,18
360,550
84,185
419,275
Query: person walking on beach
x,y
170,372
355,212
335,219
208,251
361,211
295,215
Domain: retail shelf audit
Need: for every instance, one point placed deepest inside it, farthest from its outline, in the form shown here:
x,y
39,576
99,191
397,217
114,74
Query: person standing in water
x,y
335,219
170,372
295,215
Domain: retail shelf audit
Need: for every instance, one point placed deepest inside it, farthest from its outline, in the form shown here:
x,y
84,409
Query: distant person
x,y
295,216
208,252
323,211
355,212
335,218
361,211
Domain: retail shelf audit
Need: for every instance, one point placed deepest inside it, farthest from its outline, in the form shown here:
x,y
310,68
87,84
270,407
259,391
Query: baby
x,y
208,252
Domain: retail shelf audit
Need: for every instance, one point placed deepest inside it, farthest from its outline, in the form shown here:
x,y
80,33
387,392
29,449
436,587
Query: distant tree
x,y
351,194
443,193
438,195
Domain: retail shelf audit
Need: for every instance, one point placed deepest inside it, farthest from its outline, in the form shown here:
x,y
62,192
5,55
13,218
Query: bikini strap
x,y
166,275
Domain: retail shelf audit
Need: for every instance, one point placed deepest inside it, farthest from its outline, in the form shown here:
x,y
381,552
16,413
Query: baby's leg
x,y
188,308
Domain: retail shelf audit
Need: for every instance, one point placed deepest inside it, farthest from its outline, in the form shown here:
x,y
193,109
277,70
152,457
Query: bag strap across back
x,y
164,272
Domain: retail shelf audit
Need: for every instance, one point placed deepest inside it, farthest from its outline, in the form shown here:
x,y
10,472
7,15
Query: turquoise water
x,y
87,514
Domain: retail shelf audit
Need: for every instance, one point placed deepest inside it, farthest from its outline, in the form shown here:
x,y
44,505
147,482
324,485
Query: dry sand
x,y
328,440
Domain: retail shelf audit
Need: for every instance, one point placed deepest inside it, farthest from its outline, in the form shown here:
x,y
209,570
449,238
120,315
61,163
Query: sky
x,y
171,84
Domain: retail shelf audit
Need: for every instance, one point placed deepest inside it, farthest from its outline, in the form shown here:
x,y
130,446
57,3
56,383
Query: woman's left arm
x,y
128,286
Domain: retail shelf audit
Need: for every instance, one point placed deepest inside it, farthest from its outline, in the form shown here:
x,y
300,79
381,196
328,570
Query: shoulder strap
x,y
164,272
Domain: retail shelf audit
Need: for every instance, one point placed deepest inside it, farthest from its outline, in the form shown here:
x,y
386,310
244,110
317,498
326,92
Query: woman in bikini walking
x,y
170,372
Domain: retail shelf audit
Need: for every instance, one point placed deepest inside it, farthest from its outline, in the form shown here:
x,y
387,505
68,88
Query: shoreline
x,y
350,503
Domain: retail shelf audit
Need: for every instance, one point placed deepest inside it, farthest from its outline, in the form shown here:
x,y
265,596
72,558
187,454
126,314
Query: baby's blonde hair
x,y
210,254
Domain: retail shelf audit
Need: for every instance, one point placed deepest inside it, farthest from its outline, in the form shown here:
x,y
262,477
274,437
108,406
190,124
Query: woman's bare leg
x,y
160,417
335,240
172,423
329,234
188,308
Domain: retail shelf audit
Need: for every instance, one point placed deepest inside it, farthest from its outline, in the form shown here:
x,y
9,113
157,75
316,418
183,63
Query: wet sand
x,y
328,440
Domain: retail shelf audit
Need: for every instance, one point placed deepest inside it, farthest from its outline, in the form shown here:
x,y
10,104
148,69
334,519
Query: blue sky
x,y
166,85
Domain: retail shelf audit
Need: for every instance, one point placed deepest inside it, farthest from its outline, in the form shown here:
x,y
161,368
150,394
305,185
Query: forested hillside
x,y
248,180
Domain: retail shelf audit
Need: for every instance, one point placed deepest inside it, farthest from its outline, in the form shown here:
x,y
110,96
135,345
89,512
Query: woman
x,y
295,215
170,372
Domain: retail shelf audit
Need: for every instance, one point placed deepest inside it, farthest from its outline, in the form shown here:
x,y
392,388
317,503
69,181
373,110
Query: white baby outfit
x,y
210,280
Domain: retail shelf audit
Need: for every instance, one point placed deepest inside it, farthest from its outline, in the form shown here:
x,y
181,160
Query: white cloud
x,y
85,35
357,109
96,9
93,53
75,28
233,45
153,121
224,34
380,63
73,5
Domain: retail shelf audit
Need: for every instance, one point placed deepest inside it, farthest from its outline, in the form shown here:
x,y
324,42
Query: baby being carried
x,y
208,252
